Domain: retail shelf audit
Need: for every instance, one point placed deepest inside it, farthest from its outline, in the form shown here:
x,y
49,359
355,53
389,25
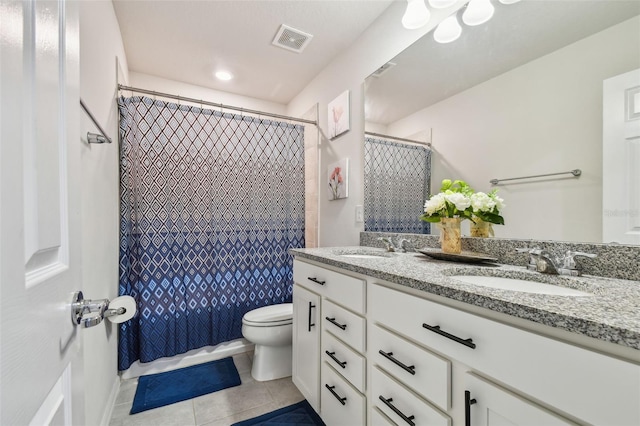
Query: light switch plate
x,y
359,214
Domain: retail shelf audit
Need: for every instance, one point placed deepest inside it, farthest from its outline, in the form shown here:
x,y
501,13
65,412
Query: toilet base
x,y
271,362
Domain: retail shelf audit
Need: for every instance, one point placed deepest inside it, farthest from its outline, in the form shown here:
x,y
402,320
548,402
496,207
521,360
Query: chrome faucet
x,y
398,246
542,261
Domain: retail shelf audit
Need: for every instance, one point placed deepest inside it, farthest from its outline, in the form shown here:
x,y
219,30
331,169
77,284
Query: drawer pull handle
x,y
338,397
411,369
311,306
315,280
388,403
436,329
337,324
332,355
468,402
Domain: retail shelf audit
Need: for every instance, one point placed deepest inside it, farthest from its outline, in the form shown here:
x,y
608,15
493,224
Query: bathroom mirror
x,y
520,95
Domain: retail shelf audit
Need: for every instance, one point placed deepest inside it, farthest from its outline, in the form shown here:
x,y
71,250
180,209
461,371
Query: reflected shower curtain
x,y
210,204
396,184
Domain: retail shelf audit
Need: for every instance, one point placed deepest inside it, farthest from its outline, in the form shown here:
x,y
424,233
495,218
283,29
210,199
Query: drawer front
x,y
591,386
380,419
348,291
344,360
424,372
401,405
347,326
340,403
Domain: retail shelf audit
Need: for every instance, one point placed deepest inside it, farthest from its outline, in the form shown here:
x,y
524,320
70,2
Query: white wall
x,y
543,117
383,40
158,84
100,44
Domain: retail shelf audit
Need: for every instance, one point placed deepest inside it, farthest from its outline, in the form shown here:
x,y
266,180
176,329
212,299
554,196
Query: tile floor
x,y
221,408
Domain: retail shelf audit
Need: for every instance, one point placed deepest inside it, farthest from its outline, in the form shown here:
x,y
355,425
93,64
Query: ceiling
x,y
428,72
188,40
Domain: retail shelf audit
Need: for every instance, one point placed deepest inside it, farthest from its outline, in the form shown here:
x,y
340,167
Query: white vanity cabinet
x,y
505,368
403,357
495,406
331,370
306,344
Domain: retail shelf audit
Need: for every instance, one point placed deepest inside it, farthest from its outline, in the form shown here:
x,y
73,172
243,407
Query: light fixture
x,y
478,12
224,75
416,16
441,4
508,1
448,30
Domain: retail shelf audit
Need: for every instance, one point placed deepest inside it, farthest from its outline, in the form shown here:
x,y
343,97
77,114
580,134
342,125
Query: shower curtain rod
x,y
398,139
217,105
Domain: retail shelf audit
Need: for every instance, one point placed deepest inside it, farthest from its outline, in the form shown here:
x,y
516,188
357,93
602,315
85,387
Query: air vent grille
x,y
291,39
383,69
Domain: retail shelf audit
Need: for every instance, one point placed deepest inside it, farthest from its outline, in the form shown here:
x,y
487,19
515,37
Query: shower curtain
x,y
210,204
396,184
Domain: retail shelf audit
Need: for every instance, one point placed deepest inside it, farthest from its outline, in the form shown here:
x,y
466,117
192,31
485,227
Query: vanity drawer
x,y
344,360
505,352
401,405
378,418
340,403
424,372
348,291
347,326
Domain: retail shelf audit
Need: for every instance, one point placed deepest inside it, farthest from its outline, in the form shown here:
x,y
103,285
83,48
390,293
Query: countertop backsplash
x,y
613,261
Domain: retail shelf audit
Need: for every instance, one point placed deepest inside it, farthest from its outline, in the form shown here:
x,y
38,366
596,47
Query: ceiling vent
x,y
291,39
383,69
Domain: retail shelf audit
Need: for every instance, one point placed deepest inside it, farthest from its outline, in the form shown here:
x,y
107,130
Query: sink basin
x,y
515,284
363,253
363,256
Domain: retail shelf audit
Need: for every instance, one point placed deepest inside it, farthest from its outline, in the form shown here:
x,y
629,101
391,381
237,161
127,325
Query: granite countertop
x,y
611,313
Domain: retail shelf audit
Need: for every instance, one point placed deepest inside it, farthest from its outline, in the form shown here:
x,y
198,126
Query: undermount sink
x,y
363,256
358,253
516,284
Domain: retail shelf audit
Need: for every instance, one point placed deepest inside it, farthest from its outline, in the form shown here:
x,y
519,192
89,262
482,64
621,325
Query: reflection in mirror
x,y
397,173
522,95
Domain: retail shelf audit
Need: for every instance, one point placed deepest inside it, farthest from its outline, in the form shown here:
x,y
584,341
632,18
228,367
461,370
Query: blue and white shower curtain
x,y
210,204
396,184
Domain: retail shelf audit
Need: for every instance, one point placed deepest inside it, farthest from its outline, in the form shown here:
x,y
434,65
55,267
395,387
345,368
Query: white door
x,y
490,405
306,344
621,159
41,364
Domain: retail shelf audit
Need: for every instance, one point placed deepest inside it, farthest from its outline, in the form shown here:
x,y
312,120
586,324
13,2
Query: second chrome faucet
x,y
542,261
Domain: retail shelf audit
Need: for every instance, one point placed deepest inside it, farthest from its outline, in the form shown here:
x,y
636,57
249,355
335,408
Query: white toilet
x,y
270,328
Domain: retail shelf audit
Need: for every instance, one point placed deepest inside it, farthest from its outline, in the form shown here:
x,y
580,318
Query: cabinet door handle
x,y
311,306
337,324
436,329
332,355
468,402
338,397
388,403
411,369
315,280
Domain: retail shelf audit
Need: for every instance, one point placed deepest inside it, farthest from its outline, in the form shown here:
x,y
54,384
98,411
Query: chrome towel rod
x,y
574,172
94,137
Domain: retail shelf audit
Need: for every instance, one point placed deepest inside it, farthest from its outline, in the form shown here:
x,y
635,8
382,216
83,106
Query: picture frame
x,y
338,179
338,115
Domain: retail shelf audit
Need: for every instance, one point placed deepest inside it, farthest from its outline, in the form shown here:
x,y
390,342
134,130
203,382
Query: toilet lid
x,y
273,314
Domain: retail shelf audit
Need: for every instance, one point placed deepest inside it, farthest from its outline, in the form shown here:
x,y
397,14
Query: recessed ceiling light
x,y
224,75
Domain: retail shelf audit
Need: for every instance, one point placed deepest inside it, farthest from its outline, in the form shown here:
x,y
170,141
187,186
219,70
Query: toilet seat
x,y
270,316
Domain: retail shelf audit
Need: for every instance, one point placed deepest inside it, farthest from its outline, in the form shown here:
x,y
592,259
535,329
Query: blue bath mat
x,y
297,414
158,390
